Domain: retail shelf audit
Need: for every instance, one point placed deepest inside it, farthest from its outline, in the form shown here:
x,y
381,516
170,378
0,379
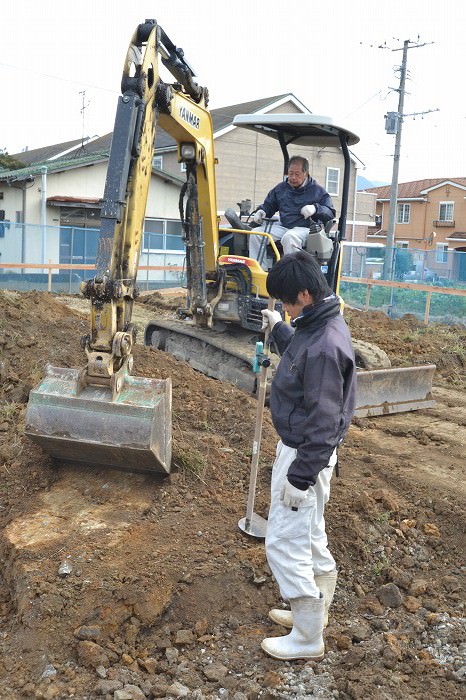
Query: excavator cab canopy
x,y
298,129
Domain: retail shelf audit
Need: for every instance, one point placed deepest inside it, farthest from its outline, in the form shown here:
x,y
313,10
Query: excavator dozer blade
x,y
384,391
74,424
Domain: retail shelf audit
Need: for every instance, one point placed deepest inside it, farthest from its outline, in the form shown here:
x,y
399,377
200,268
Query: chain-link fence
x,y
29,244
438,269
163,248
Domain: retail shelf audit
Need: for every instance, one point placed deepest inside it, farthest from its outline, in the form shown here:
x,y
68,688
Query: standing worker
x,y
300,201
312,401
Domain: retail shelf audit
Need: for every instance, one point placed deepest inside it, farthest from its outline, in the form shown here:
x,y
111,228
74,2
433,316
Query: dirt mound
x,y
162,302
123,585
408,341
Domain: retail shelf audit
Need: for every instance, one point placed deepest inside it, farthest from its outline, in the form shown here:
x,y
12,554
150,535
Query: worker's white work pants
x,y
296,542
292,239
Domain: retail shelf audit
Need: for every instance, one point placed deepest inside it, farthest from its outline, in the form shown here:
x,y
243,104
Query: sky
x,y
327,54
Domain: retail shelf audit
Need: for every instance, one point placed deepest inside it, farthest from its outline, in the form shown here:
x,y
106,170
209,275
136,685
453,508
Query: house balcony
x,y
440,223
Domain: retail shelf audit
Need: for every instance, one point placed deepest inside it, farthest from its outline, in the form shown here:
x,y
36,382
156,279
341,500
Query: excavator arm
x,y
181,110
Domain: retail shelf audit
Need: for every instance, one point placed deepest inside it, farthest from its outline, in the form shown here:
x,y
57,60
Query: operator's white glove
x,y
259,216
308,210
270,318
291,496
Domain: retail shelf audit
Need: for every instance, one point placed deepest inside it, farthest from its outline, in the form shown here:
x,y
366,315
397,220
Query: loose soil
x,y
124,585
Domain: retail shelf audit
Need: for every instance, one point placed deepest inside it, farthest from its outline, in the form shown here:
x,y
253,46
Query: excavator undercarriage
x,y
229,356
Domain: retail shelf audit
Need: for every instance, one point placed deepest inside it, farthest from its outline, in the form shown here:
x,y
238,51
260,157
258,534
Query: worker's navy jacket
x,y
289,201
312,396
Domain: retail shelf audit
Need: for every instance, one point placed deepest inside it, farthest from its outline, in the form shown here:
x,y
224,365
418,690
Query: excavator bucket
x,y
76,423
384,391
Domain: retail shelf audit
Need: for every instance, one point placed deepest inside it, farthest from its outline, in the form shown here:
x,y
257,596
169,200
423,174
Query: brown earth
x,y
123,585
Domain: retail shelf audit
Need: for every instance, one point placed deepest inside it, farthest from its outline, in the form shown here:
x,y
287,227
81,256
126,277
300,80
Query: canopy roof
x,y
299,129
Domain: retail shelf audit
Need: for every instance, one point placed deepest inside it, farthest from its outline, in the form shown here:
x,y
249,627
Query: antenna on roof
x,y
82,110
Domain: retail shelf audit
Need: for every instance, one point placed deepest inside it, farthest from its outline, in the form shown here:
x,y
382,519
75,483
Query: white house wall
x,y
163,199
87,182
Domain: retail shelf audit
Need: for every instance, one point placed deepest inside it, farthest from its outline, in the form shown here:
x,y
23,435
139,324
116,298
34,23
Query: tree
x,y
8,162
403,262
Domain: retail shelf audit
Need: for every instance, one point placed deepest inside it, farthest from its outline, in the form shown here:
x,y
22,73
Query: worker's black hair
x,y
294,273
302,161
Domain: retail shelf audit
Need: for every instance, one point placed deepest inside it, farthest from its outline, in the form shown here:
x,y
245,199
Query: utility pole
x,y
388,267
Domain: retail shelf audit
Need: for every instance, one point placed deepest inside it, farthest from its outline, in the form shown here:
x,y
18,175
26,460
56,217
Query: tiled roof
x,y
74,162
412,190
456,235
221,117
38,155
52,166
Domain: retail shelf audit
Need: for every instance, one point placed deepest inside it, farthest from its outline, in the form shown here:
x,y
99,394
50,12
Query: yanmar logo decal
x,y
229,259
189,117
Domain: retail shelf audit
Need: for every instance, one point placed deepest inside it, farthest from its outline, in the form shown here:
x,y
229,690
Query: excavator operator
x,y
300,201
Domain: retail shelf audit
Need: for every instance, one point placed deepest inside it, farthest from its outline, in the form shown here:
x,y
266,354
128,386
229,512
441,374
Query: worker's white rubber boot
x,y
282,617
305,640
326,584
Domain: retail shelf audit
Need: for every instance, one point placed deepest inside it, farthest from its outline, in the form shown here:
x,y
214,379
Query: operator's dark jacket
x,y
289,201
312,396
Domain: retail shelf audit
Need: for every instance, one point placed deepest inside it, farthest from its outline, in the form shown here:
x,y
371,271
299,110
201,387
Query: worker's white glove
x,y
259,216
291,496
308,210
270,318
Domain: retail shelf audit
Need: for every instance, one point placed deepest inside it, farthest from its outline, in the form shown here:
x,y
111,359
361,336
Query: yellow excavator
x,y
102,414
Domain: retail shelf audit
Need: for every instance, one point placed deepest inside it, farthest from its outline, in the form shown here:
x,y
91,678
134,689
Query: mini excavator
x,y
102,414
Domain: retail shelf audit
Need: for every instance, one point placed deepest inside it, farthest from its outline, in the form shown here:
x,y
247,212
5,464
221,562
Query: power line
x,y
57,77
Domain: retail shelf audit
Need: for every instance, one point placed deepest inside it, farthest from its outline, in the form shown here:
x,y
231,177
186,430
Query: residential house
x,y
430,216
60,187
50,208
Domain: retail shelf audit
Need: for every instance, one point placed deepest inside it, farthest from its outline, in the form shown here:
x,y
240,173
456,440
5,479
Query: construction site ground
x,y
126,586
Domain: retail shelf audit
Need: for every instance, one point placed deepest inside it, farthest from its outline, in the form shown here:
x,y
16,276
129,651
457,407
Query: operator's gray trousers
x,y
292,239
296,542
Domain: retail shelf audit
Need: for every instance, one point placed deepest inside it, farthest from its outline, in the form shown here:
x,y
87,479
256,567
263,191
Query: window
x,y
153,234
79,235
446,210
157,162
333,180
162,234
403,213
173,238
401,244
441,254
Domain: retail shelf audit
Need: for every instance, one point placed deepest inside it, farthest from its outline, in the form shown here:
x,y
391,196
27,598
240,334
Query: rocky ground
x,y
128,586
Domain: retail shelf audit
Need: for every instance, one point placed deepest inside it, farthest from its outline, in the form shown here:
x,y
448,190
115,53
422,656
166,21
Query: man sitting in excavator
x,y
300,201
